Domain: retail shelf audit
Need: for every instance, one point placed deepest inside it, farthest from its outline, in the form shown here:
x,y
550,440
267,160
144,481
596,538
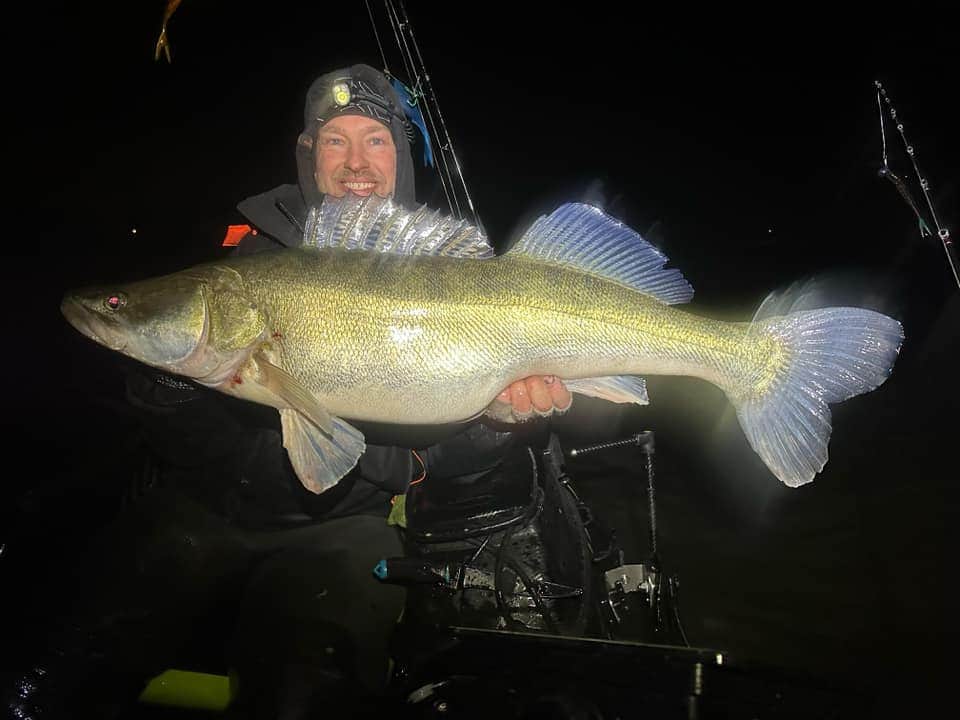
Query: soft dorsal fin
x,y
381,225
584,237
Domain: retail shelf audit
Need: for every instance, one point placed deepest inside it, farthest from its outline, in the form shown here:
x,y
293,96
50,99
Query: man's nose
x,y
356,157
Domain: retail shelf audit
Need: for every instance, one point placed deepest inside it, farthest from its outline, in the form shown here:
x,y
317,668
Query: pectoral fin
x,y
615,388
282,384
320,459
322,447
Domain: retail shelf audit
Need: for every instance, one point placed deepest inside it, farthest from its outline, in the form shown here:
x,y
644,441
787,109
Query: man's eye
x,y
332,141
378,141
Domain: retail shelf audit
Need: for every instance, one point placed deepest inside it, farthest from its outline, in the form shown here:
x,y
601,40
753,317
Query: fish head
x,y
196,324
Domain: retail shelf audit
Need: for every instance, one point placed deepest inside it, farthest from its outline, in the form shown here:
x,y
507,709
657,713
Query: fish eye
x,y
115,301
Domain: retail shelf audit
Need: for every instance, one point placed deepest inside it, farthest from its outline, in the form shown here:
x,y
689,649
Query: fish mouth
x,y
80,317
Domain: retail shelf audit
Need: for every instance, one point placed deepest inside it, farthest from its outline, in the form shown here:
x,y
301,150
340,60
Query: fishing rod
x,y
942,232
424,110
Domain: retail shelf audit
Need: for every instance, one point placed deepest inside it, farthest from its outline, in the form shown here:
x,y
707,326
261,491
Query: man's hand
x,y
536,395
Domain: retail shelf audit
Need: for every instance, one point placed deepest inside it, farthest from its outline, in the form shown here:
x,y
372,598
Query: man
x,y
356,140
304,611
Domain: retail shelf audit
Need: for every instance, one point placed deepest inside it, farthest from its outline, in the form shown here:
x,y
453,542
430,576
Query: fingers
x,y
560,397
539,394
534,396
520,399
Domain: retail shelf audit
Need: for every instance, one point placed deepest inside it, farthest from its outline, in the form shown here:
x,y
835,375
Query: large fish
x,y
407,317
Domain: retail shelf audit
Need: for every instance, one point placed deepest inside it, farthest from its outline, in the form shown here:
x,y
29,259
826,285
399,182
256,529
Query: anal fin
x,y
615,388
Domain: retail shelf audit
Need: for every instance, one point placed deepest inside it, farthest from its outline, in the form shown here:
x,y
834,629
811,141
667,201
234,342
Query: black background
x,y
751,139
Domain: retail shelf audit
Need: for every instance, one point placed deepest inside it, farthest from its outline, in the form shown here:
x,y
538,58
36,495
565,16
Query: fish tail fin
x,y
825,356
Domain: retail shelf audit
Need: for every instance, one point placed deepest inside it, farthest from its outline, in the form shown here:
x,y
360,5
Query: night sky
x,y
747,144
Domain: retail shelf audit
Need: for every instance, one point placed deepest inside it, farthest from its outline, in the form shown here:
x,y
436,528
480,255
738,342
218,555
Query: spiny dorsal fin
x,y
584,237
381,225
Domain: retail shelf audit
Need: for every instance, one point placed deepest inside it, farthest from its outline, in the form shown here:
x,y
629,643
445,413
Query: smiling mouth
x,y
359,186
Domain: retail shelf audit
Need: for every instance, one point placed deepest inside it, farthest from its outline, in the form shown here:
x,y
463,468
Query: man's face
x,y
355,154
